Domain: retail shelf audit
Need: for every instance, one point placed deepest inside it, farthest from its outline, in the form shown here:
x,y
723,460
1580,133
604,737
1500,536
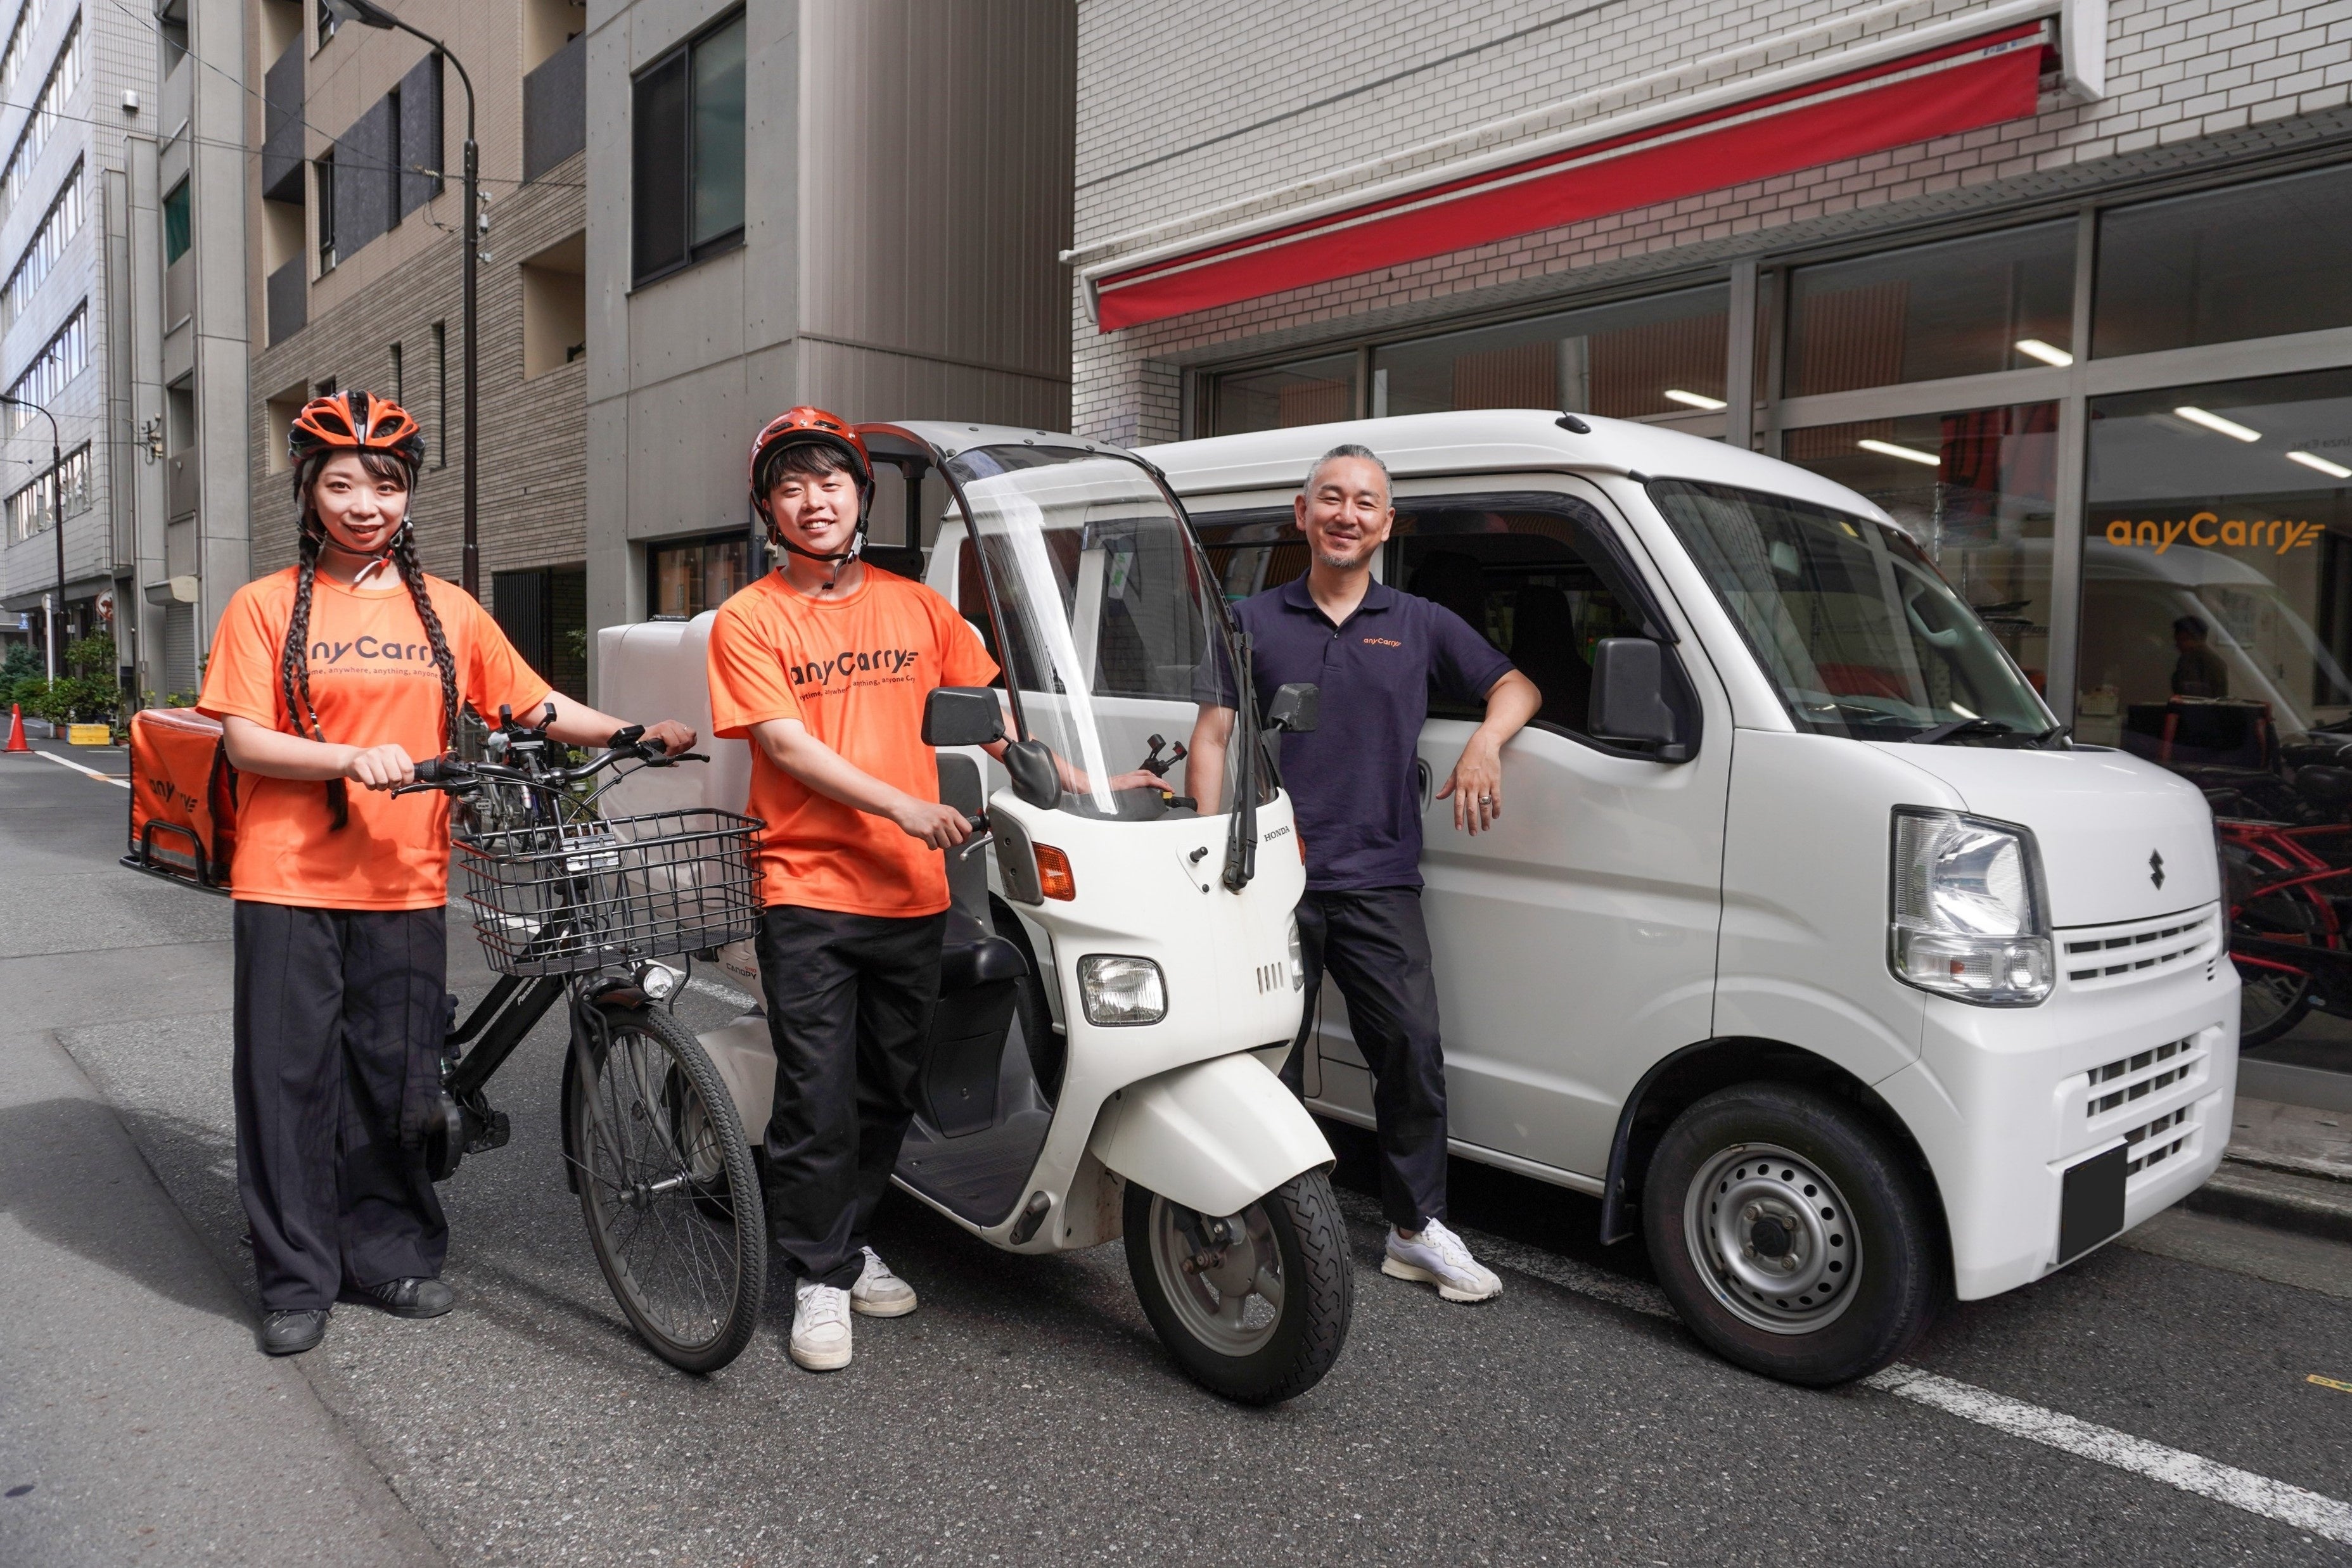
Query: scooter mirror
x,y
1034,778
1295,708
961,716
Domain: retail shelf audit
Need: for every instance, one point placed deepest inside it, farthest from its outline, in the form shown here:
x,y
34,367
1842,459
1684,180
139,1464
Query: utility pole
x,y
57,520
368,14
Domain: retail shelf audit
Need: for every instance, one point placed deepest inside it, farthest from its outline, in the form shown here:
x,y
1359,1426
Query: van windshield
x,y
1857,629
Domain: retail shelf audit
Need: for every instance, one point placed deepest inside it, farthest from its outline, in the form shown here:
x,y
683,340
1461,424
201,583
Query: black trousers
x,y
1375,947
339,1021
850,999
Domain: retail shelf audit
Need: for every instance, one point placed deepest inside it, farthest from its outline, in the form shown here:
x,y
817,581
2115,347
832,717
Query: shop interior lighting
x,y
1695,400
2333,470
2048,353
1908,454
2214,421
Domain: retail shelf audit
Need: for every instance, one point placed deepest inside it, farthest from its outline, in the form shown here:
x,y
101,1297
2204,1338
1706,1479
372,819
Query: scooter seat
x,y
966,965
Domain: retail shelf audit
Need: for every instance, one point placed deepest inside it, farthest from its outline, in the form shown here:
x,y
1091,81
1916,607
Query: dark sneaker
x,y
292,1333
411,1297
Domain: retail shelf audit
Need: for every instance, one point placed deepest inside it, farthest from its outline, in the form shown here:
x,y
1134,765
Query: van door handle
x,y
1422,780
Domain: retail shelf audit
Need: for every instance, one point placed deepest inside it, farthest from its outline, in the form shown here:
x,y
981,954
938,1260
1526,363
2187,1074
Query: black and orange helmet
x,y
796,425
354,422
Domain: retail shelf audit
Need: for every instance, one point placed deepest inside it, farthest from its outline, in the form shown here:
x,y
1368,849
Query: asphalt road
x,y
1027,1414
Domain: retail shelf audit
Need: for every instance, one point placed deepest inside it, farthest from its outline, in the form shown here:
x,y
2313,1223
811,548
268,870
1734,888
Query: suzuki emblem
x,y
2156,868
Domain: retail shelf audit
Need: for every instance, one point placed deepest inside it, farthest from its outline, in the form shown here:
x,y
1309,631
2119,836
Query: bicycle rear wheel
x,y
667,1188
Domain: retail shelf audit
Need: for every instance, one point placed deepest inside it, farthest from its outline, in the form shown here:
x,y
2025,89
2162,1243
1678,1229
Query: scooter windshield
x,y
1105,619
1861,633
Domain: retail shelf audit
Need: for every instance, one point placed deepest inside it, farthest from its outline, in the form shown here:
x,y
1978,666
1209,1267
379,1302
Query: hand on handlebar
x,y
380,768
942,827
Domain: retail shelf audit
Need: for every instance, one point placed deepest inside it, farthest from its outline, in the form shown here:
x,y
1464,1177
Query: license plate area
x,y
2091,1202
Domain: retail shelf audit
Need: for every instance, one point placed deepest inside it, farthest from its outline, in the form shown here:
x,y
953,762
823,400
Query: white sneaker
x,y
1436,1256
821,1327
878,1292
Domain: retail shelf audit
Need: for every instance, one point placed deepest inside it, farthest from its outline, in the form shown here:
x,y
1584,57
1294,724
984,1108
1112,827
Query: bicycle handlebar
x,y
453,773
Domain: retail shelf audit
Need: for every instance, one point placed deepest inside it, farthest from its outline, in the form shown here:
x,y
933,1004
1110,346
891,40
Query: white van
x,y
1808,942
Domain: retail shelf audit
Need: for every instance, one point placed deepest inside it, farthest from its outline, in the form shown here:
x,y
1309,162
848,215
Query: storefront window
x,y
690,576
1633,360
1991,302
1976,490
1309,391
2217,573
2252,261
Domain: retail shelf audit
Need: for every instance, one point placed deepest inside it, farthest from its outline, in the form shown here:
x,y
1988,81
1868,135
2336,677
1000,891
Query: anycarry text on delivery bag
x,y
183,797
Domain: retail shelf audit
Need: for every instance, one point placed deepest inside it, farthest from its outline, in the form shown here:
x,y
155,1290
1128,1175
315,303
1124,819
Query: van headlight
x,y
1119,990
1970,919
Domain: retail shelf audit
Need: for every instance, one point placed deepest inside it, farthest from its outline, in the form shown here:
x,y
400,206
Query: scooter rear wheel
x,y
669,1189
1255,1305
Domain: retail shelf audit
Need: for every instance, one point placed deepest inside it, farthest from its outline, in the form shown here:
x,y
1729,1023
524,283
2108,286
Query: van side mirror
x,y
1295,708
1629,696
962,716
1030,764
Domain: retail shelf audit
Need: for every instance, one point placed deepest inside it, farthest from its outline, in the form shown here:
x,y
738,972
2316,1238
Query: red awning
x,y
1937,92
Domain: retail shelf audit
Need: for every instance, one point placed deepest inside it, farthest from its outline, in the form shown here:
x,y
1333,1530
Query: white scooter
x,y
1121,974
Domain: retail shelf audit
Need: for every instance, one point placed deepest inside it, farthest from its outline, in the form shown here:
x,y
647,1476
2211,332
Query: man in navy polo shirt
x,y
1377,653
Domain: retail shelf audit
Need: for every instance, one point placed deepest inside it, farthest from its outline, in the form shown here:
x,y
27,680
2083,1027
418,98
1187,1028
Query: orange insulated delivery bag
x,y
183,797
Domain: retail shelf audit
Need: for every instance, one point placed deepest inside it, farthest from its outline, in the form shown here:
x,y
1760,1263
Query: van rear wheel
x,y
1790,1234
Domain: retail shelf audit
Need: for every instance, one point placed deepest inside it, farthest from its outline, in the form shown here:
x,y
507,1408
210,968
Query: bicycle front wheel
x,y
667,1188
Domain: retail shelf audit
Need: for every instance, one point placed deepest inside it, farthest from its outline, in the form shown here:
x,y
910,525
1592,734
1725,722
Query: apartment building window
x,y
687,125
177,236
11,61
48,243
62,358
328,24
33,507
64,74
688,577
325,165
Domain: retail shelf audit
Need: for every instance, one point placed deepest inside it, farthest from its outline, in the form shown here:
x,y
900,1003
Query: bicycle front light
x,y
658,981
1118,991
1970,919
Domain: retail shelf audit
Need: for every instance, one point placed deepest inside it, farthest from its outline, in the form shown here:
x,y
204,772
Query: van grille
x,y
2136,1077
2157,1141
2102,957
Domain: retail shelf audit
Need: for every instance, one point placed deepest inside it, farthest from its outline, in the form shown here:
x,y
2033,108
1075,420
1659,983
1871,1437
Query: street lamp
x,y
368,14
57,517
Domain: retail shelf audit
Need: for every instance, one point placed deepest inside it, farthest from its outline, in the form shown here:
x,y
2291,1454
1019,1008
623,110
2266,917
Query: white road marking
x,y
2290,1505
92,772
726,994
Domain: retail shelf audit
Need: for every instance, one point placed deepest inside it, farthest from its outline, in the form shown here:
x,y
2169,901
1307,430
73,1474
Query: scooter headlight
x,y
1970,919
1119,990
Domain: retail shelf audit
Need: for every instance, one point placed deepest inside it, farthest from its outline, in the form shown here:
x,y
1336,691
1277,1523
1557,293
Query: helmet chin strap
x,y
834,560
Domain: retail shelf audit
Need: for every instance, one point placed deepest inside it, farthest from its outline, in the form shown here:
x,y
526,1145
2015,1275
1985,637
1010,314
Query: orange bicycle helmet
x,y
354,422
807,425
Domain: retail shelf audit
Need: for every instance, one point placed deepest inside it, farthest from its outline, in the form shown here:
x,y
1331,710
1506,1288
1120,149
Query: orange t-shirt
x,y
855,671
373,682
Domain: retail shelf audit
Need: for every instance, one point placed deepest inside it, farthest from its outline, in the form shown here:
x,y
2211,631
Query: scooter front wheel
x,y
667,1188
1253,1305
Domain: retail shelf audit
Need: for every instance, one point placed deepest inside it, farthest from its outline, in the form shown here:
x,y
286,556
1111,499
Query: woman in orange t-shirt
x,y
345,669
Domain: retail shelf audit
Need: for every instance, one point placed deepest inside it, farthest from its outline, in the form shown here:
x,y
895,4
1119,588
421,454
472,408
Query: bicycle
x,y
566,901
2287,930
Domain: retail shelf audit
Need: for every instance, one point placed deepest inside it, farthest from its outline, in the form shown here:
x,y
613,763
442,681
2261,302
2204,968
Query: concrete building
x,y
2058,283
353,275
851,205
79,81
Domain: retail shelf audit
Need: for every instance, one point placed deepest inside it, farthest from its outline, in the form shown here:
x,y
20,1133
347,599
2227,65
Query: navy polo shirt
x,y
1351,781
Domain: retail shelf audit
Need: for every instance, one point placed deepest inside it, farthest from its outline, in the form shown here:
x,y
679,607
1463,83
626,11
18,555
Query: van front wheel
x,y
1790,1235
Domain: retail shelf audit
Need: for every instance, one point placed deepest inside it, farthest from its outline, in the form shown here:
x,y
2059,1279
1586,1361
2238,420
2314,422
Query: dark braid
x,y
404,559
294,661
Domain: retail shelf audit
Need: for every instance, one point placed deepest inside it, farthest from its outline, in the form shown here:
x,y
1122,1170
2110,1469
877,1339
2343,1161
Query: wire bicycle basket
x,y
565,897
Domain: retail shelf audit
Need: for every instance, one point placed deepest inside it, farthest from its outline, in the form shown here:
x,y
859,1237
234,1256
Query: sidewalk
x,y
142,1424
2288,1167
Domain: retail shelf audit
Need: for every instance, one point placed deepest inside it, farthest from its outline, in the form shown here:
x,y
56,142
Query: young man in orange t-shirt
x,y
825,665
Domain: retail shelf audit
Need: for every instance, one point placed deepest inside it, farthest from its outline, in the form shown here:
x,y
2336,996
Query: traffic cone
x,y
16,728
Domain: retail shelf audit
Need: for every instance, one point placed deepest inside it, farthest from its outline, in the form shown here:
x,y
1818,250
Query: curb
x,y
2283,1200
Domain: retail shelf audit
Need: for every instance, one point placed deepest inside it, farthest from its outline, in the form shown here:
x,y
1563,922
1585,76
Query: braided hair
x,y
294,661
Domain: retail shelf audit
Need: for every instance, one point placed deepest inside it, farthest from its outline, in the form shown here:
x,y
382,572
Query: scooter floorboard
x,y
980,1176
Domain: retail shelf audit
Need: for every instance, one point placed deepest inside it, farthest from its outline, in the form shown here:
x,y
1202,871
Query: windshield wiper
x,y
1937,733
